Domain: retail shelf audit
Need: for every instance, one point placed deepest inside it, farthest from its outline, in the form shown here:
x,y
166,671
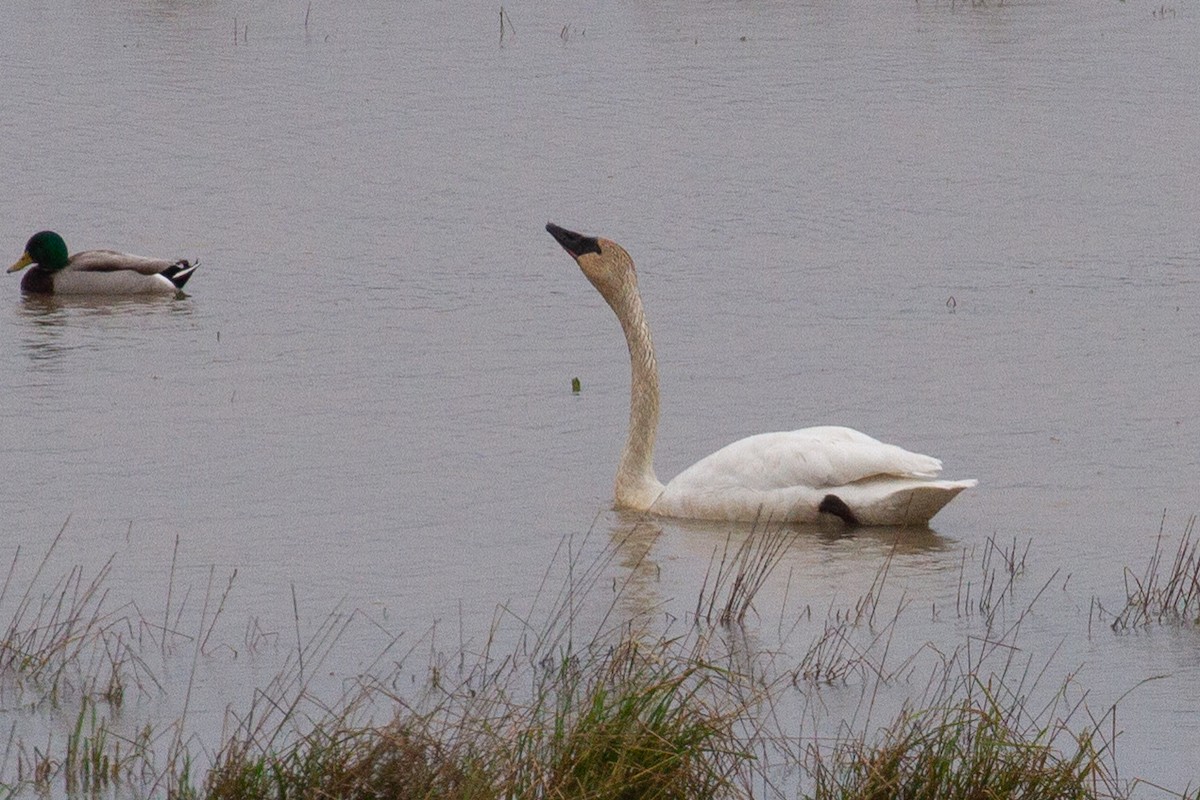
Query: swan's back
x,y
818,457
797,475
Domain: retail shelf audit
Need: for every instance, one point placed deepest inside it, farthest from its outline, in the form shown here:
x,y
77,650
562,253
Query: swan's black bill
x,y
574,243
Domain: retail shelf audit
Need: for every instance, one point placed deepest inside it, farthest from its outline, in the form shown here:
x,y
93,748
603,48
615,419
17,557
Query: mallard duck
x,y
800,475
96,272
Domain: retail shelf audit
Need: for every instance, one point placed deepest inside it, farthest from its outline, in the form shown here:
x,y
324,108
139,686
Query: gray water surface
x,y
966,230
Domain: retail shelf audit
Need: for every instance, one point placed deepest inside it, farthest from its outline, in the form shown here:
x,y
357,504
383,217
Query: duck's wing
x,y
113,261
818,458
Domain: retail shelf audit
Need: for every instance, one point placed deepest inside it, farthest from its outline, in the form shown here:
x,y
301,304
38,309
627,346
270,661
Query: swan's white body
x,y
798,476
789,474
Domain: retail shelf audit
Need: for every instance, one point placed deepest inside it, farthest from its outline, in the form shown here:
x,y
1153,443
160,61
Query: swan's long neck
x,y
637,487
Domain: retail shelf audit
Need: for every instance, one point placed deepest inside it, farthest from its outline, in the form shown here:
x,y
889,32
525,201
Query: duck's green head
x,y
46,249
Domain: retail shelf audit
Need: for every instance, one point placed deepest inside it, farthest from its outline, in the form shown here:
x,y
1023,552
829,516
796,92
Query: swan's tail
x,y
913,503
919,504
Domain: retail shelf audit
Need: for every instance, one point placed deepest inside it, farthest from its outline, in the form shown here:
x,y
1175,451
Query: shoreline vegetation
x,y
591,701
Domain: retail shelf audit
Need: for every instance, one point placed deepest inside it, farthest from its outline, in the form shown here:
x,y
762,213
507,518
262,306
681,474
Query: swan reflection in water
x,y
668,574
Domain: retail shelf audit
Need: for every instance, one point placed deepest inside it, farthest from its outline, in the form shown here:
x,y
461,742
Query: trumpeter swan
x,y
790,475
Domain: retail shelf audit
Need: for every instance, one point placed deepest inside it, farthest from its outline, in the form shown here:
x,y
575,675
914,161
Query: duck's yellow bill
x,y
22,262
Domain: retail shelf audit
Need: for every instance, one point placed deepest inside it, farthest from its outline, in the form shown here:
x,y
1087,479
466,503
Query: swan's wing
x,y
113,261
818,458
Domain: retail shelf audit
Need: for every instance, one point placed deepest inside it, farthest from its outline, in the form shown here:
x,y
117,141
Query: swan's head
x,y
605,263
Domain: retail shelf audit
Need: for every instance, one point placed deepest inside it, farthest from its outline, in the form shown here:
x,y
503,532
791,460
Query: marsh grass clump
x,y
602,712
630,712
574,697
399,760
1168,590
994,587
837,655
974,748
642,722
60,636
975,736
94,758
627,720
68,653
98,758
733,580
985,726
